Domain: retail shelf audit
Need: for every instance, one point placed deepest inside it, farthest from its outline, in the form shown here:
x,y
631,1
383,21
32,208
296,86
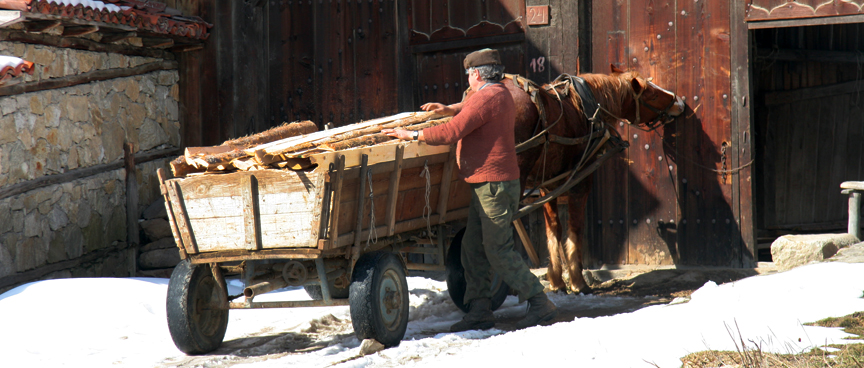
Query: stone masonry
x,y
53,131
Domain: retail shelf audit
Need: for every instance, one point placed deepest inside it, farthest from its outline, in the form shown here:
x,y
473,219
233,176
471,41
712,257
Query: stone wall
x,y
54,131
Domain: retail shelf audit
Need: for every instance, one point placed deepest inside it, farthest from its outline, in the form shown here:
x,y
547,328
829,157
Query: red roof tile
x,y
12,67
146,15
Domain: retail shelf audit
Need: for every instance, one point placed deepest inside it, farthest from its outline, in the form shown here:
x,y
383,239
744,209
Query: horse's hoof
x,y
583,290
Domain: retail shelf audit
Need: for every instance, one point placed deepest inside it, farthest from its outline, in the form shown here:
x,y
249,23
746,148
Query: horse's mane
x,y
611,91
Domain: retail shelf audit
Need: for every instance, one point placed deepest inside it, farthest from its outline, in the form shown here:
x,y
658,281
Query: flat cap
x,y
482,57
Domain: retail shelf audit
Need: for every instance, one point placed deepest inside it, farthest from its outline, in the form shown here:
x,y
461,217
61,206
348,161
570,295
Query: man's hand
x,y
442,109
402,134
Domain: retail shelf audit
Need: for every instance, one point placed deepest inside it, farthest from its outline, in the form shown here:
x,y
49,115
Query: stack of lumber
x,y
285,146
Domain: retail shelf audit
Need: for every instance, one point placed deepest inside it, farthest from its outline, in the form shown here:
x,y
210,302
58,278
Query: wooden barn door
x,y
662,202
809,103
442,33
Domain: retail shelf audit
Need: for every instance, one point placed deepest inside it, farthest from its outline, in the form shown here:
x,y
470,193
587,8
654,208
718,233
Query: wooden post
x,y
132,235
393,191
526,242
251,212
854,227
336,183
444,189
361,202
163,188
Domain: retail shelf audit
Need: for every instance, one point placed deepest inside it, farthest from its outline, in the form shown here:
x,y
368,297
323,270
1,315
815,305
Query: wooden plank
x,y
361,205
402,226
379,153
446,178
191,98
526,242
300,54
841,19
652,185
282,145
742,133
393,190
802,94
223,21
609,31
336,184
76,174
88,77
251,212
182,219
163,188
210,110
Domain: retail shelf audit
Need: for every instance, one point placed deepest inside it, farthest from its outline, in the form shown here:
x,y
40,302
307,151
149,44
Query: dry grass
x,y
749,354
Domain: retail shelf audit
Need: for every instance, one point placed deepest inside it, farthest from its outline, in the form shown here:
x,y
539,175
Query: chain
x,y
372,229
723,161
427,210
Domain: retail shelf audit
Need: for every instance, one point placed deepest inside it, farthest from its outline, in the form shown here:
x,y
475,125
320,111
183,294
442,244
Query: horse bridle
x,y
662,115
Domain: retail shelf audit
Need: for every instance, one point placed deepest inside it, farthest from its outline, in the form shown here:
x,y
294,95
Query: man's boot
x,y
479,317
540,310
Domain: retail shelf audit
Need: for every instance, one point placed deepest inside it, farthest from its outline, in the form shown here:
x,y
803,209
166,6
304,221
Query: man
x,y
483,126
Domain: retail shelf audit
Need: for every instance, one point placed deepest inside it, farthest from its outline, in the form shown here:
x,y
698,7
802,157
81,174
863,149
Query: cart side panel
x,y
286,214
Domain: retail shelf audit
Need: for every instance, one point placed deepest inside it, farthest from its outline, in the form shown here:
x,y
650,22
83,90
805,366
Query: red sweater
x,y
486,149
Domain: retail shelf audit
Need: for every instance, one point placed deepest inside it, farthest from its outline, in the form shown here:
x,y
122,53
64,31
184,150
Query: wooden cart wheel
x,y
456,277
197,309
379,298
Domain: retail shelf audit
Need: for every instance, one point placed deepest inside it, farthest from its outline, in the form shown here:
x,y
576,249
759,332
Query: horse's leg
x,y
577,200
553,245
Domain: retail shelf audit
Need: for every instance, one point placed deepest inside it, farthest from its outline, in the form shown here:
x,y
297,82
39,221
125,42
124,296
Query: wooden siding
x,y
660,203
784,9
809,120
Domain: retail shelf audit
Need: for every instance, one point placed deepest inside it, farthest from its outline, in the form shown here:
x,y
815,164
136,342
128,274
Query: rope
x,y
372,229
427,209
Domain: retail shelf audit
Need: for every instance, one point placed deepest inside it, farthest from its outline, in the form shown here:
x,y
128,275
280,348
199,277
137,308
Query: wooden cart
x,y
340,228
336,228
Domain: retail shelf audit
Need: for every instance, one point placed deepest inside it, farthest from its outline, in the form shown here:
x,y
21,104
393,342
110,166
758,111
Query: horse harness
x,y
589,109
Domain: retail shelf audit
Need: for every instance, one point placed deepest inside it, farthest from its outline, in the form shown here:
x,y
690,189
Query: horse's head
x,y
653,106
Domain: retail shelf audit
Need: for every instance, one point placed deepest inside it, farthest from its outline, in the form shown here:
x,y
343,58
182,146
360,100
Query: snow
x,y
100,322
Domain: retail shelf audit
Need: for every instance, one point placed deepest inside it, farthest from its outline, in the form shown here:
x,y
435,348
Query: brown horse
x,y
556,117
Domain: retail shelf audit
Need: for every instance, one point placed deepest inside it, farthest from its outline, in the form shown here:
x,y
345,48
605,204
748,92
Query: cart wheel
x,y
456,277
196,318
379,298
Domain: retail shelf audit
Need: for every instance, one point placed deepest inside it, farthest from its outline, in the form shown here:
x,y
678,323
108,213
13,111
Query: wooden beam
x,y
132,235
336,180
393,190
34,274
10,17
82,44
157,42
175,193
187,48
526,242
117,36
76,174
468,43
79,30
83,78
800,94
41,25
810,55
163,189
444,188
251,212
801,22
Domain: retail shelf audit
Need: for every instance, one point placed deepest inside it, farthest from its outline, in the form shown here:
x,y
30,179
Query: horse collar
x,y
589,103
